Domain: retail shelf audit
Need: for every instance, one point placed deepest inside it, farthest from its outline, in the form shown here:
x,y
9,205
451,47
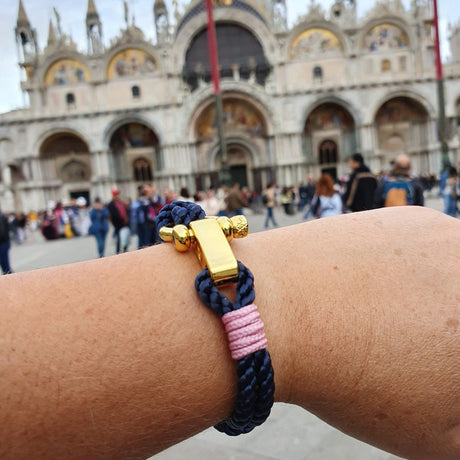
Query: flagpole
x,y
224,170
440,87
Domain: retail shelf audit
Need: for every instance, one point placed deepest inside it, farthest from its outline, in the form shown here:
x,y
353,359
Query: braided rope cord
x,y
256,386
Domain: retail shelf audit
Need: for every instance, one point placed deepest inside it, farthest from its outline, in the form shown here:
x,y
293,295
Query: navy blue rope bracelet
x,y
255,395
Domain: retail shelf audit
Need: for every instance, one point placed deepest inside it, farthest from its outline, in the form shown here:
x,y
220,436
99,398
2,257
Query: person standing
x,y
361,186
235,201
269,200
399,189
118,216
99,216
326,201
145,217
306,193
211,203
449,193
5,244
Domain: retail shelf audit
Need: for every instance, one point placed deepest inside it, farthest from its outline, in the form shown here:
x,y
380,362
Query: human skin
x,y
117,358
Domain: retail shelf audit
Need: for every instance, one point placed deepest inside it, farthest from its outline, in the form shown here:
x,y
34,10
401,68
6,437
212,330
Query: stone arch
x,y
302,28
243,161
207,102
385,34
62,129
244,141
402,126
330,123
129,141
405,94
313,41
132,61
330,100
244,60
65,157
235,16
66,70
122,120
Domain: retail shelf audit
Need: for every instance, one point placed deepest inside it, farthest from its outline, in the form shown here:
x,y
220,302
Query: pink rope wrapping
x,y
245,331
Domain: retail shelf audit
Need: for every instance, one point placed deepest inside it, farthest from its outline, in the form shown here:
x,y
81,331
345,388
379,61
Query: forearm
x,y
110,359
376,328
118,357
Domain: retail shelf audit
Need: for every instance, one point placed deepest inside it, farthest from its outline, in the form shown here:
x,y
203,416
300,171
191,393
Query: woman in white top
x,y
326,202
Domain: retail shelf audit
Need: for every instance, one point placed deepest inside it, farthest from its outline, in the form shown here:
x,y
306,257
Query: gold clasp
x,y
210,237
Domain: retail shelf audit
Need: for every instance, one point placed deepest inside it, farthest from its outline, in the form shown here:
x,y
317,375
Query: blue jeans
x,y
450,205
4,258
100,241
270,217
144,235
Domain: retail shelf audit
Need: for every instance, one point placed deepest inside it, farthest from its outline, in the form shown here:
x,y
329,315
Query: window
x,y
386,65
328,152
70,100
318,73
136,92
245,51
142,170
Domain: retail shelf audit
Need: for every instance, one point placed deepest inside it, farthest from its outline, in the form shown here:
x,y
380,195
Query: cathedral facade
x,y
296,99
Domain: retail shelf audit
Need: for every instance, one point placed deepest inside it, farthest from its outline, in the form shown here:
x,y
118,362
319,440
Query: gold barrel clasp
x,y
210,237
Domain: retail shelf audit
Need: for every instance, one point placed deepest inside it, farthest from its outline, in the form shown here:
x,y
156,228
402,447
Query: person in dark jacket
x,y
361,186
118,216
4,244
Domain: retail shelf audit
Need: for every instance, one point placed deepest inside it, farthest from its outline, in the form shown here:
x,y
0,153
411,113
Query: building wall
x,y
353,78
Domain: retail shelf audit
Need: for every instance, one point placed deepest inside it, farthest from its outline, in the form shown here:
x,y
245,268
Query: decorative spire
x,y
93,29
91,9
160,12
22,16
51,34
25,37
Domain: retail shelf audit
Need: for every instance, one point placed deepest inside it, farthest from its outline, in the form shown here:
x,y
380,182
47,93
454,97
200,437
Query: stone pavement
x,y
290,433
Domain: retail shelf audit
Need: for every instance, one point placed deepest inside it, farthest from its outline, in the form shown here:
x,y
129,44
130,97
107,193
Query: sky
x,y
111,12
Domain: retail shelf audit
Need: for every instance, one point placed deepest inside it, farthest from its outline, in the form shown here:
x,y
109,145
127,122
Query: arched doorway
x,y
328,158
245,130
402,127
238,159
329,137
65,166
135,153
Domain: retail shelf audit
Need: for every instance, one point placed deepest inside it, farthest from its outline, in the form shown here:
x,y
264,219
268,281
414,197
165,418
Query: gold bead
x,y
226,226
166,234
240,226
181,238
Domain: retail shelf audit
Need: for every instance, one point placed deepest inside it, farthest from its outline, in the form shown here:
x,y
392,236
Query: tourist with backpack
x,y
399,189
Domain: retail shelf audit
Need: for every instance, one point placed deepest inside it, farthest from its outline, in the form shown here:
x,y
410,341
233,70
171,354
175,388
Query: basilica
x,y
296,99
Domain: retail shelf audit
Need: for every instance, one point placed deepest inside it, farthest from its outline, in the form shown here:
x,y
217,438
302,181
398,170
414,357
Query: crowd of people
x,y
362,190
319,198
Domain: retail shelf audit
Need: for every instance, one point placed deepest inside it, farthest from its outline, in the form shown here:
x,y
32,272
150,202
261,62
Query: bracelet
x,y
184,224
